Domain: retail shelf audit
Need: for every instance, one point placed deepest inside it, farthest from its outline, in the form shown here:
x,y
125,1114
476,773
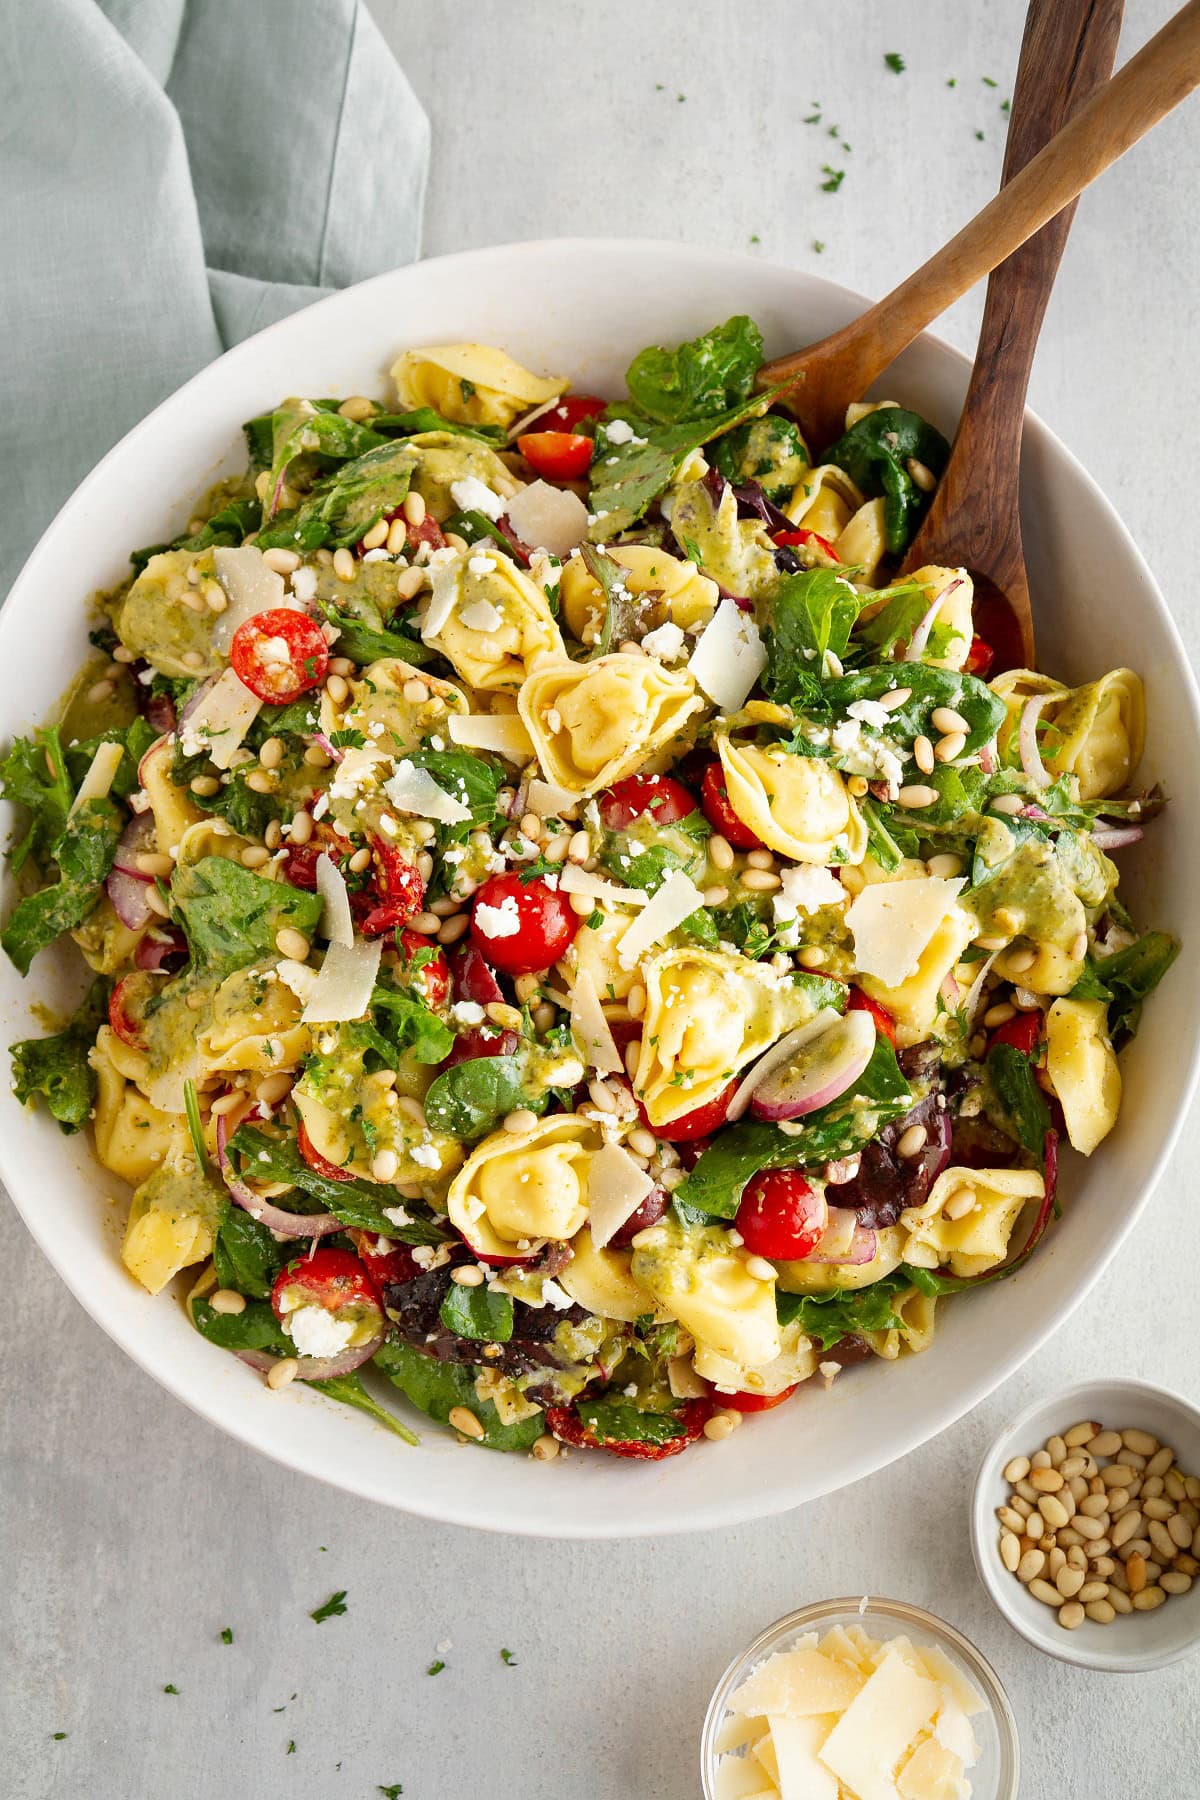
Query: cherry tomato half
x,y
781,1216
320,1165
714,798
279,654
572,411
756,1403
665,801
336,1280
427,532
885,1025
557,455
979,658
811,540
126,1004
569,1428
384,1266
431,976
1022,1032
695,1124
537,923
396,892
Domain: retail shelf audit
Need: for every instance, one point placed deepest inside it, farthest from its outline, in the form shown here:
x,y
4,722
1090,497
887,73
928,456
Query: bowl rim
x,y
205,1399
995,1577
901,1612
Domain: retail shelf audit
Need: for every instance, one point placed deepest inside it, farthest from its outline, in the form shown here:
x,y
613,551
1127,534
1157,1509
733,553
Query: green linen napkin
x,y
174,175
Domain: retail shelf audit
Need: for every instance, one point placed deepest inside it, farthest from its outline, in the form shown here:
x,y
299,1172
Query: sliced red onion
x,y
778,1054
317,1368
987,761
286,1224
920,637
128,895
1031,756
833,1064
949,989
158,947
975,991
137,838
195,700
845,1242
1116,837
328,746
147,754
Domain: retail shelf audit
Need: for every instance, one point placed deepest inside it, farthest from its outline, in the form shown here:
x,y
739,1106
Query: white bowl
x,y
1133,1641
583,307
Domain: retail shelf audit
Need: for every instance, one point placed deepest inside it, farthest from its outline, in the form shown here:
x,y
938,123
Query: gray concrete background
x,y
131,1533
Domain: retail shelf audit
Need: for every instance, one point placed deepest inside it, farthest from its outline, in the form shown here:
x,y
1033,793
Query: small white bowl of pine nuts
x,y
1085,1525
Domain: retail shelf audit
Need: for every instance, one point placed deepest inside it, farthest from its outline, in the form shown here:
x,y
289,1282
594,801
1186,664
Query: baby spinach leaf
x,y
246,1256
769,451
1020,1098
476,1313
810,613
34,775
408,1024
231,917
350,1391
698,379
844,1312
1128,977
875,453
424,418
365,643
84,853
437,1387
929,688
470,1099
255,1328
57,1067
299,429
356,1203
620,1422
232,523
347,503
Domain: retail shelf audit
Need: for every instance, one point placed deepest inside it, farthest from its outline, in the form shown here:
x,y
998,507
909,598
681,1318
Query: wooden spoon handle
x,y
1150,85
1067,51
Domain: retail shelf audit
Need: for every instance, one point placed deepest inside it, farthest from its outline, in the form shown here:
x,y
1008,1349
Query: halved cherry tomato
x,y
384,1266
432,977
755,1403
319,1164
665,801
781,1216
125,1005
810,539
557,455
714,798
396,893
572,411
482,1040
884,1022
544,919
979,658
334,1279
569,1428
279,654
1022,1031
695,1124
427,532
996,623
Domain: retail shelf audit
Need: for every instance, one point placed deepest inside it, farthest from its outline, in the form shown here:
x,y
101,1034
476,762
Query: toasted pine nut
x,y
720,852
1070,1615
280,1373
1031,1565
1046,1481
945,719
545,1448
923,755
464,1420
228,1300
1140,1442
1048,1595
916,796
1017,1469
292,944
1010,1550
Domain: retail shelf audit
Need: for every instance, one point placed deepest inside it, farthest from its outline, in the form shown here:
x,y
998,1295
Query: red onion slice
x,y
1116,837
317,1368
1031,756
920,637
286,1224
845,1242
128,891
824,1071
137,838
159,947
149,752
777,1055
328,746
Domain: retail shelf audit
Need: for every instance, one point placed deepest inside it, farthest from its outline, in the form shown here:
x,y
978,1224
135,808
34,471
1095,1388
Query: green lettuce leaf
x,y
699,379
57,1067
231,917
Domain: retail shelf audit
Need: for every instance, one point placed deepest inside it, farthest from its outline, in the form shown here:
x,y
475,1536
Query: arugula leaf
x,y
365,643
230,524
135,738
698,379
246,1256
34,775
811,613
1020,1098
1126,978
84,854
769,451
619,1422
57,1067
889,837
470,1099
475,527
844,1312
408,1024
349,1390
424,418
620,607
929,689
476,1313
437,1387
256,1328
356,1203
875,453
232,916
300,429
905,605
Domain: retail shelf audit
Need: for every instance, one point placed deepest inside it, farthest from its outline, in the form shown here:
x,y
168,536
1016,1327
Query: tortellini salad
x,y
577,927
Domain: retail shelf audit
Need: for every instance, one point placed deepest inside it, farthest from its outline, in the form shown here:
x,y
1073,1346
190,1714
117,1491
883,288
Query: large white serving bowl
x,y
584,307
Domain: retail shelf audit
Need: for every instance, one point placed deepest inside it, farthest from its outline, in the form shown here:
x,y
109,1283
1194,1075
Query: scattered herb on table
x,y
836,178
291,1749
227,1635
895,62
396,1789
333,1607
58,1736
435,1668
170,1688
507,1657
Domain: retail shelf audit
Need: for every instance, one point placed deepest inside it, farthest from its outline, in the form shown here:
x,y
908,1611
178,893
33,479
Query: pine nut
x,y
273,1088
414,508
1174,1485
916,796
1139,1546
1155,1508
228,1300
467,1275
1020,960
923,755
1026,1492
1091,1528
1070,1615
760,859
1117,1475
1187,1565
1094,1506
1046,1481
464,1420
344,566
1127,1526
397,536
1135,1572
451,930
720,852
545,1448
1172,1581
945,865
1040,1460
204,785
100,691
1017,1469
520,1120
1161,1461
1008,803
1105,1443
156,903
945,719
1179,1531
1119,1601
1093,1590
635,1001
1140,1442
1049,1596
894,698
1083,1433
760,881
999,1014
1077,1487
957,1206
1161,1538
376,537
1056,1449
292,944
911,1142
409,583
950,746
1054,1511
1076,1557
1020,1505
1149,1600
193,659
1102,1567
1118,1500
283,562
1010,1548
1031,1566
718,1427
1056,1560
1069,1581
280,1373
1102,1611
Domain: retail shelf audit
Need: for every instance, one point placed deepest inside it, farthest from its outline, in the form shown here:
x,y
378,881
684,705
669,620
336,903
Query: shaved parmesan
x,y
729,657
685,1384
503,733
251,587
878,1726
963,1693
101,774
738,1778
893,922
548,518
551,802
220,720
796,1743
445,592
931,1773
676,900
798,1683
343,987
590,1029
481,615
575,880
336,922
616,1188
414,790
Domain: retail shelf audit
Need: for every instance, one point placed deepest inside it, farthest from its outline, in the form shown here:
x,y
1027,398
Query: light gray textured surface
x,y
131,1533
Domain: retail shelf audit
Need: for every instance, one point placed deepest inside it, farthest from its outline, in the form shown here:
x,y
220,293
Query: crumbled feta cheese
x,y
426,1156
870,712
482,565
557,1296
481,615
667,643
431,1256
498,921
399,1215
620,431
304,584
317,1332
467,1012
472,495
379,555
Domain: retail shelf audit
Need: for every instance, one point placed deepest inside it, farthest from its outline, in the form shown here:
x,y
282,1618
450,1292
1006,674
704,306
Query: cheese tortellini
x,y
596,951
917,1315
702,1280
490,621
708,1014
594,722
473,384
737,552
384,695
1083,1070
173,1218
132,1137
968,1218
915,1003
687,597
1096,732
796,1361
798,805
602,1281
516,1190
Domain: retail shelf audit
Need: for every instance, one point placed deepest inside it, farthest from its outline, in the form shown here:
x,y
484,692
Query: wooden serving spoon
x,y
840,368
1067,51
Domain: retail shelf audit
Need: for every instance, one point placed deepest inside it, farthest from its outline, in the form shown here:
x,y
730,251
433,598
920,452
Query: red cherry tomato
x,y
432,978
979,658
714,798
996,624
427,532
781,1216
397,891
695,1124
300,866
572,411
335,1279
664,800
557,455
124,1009
569,1428
321,1165
545,924
755,1403
279,654
384,1266
810,539
885,1025
1022,1032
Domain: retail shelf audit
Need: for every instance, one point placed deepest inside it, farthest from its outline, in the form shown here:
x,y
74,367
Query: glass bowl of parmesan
x,y
855,1698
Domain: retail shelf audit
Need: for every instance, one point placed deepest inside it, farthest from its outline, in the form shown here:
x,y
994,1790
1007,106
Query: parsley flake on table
x,y
291,1749
979,135
951,81
170,1688
58,1736
836,178
335,1605
391,1793
988,82
435,1668
895,62
227,1635
509,1660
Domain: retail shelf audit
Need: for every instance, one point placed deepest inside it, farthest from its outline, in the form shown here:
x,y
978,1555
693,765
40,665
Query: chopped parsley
x,y
396,1789
170,1688
291,1749
58,1736
227,1635
834,181
818,246
988,82
333,1607
895,62
507,1657
435,1668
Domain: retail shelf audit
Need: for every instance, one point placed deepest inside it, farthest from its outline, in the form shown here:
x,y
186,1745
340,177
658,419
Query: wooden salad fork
x,y
1067,51
828,375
